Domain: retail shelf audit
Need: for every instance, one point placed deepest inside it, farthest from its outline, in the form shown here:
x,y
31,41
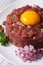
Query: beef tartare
x,y
21,34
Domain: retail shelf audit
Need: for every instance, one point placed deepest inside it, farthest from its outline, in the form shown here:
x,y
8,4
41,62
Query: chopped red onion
x,y
29,53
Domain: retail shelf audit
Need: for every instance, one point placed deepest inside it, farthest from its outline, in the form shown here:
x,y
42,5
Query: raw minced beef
x,y
20,34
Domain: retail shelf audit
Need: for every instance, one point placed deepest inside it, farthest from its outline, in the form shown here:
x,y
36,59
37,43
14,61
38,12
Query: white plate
x,y
8,51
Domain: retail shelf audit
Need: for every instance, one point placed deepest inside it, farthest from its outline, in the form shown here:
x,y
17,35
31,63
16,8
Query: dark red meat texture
x,y
21,35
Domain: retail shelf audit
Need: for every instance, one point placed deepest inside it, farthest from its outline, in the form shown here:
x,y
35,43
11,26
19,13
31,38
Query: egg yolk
x,y
30,18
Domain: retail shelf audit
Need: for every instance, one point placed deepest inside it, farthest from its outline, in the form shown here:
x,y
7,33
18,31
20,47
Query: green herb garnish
x,y
3,39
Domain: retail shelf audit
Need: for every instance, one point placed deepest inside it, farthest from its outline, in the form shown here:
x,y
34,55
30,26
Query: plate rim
x,y
3,54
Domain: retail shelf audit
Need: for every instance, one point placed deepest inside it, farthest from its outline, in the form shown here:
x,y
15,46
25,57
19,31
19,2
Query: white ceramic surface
x,y
5,3
8,52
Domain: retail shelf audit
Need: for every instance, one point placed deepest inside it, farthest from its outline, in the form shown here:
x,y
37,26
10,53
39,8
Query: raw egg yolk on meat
x,y
30,18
